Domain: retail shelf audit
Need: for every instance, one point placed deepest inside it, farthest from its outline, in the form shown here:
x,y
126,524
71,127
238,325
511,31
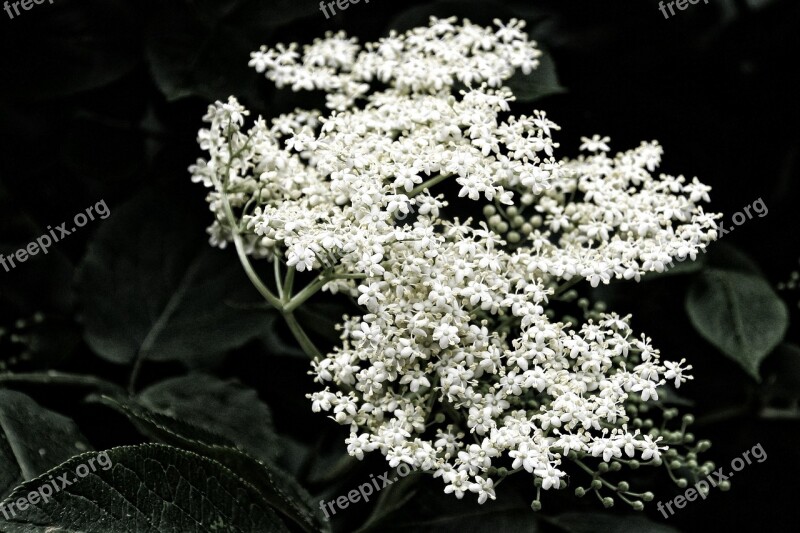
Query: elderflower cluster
x,y
458,365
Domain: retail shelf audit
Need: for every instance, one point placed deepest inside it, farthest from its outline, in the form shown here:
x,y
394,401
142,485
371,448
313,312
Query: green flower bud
x,y
489,210
725,486
688,419
596,484
608,502
602,467
703,445
580,492
637,506
536,505
671,454
623,486
682,483
648,496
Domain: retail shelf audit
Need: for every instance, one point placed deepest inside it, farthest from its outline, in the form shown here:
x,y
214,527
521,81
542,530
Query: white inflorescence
x,y
456,366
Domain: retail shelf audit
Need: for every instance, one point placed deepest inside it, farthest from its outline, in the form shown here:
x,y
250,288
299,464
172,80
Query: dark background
x,y
102,99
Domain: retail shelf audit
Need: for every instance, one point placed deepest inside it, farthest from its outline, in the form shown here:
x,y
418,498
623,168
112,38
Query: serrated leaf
x,y
149,488
33,439
224,407
275,486
739,313
151,287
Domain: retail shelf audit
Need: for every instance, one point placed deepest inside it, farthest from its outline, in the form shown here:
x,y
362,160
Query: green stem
x,y
566,286
305,343
347,276
276,263
288,282
430,183
310,290
248,267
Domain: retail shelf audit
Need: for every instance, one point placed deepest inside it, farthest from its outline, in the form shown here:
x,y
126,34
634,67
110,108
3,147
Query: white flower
x,y
484,487
674,371
595,144
551,476
458,484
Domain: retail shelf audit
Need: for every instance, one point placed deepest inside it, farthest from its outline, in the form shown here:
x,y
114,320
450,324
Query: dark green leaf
x,y
152,287
275,486
33,439
607,523
149,488
739,313
224,407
